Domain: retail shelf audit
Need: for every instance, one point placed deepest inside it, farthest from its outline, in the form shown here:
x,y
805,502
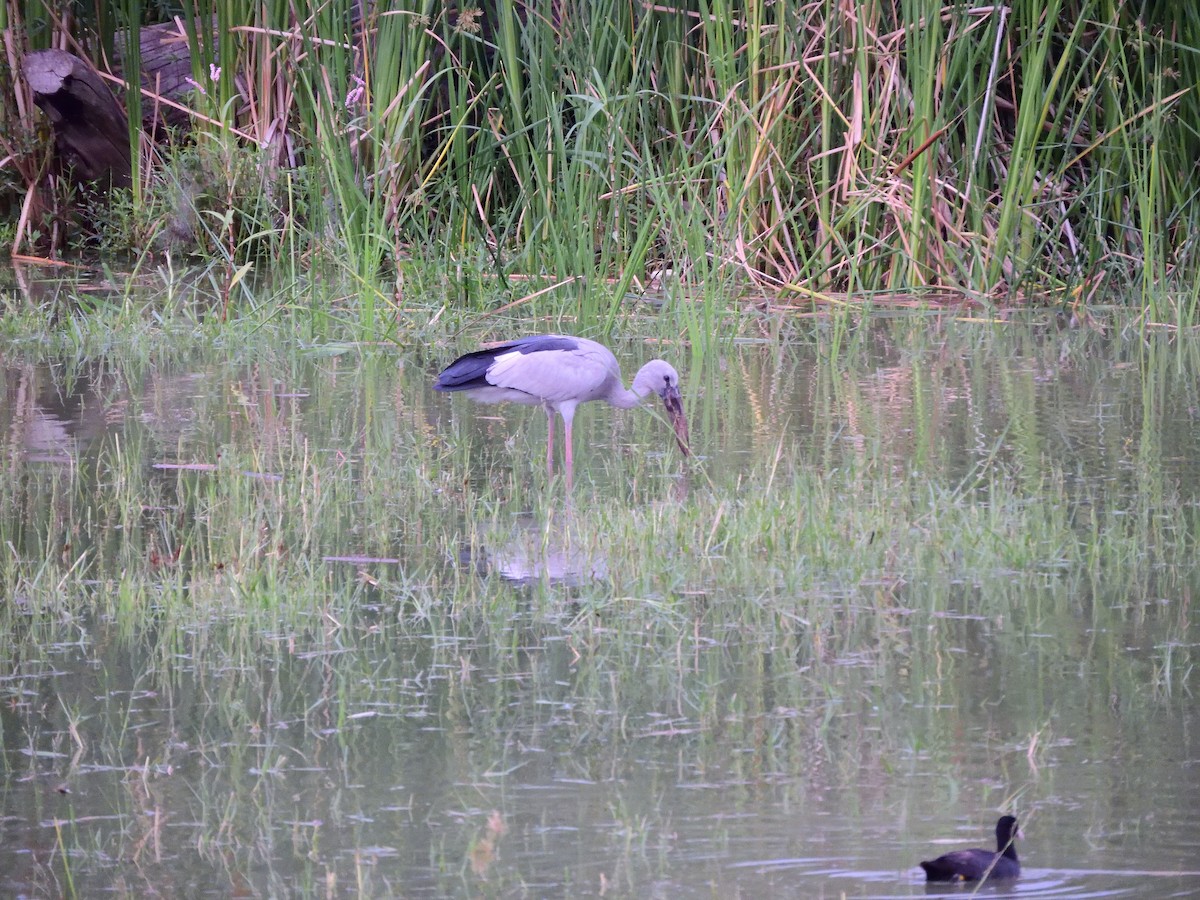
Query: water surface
x,y
294,624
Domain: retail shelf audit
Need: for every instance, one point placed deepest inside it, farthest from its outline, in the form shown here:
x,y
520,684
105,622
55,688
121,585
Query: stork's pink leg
x,y
550,442
570,465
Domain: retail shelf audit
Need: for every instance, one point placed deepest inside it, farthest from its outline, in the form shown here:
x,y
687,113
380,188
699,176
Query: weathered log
x,y
91,131
166,72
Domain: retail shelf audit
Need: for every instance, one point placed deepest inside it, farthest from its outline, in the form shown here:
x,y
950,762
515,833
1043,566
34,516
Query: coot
x,y
974,864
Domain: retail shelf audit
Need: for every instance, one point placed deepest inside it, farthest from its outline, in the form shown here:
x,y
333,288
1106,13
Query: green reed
x,y
783,150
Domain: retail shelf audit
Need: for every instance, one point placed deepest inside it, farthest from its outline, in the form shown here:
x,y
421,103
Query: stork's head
x,y
661,378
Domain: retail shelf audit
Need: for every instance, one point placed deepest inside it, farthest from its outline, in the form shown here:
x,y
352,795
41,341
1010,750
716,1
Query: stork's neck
x,y
624,399
643,384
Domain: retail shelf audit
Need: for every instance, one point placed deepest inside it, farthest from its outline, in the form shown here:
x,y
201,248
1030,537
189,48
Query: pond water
x,y
291,624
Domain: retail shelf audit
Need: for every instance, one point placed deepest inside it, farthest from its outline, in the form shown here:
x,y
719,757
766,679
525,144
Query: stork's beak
x,y
674,404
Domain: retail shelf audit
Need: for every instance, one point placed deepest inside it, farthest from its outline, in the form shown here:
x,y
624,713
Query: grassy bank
x,y
798,151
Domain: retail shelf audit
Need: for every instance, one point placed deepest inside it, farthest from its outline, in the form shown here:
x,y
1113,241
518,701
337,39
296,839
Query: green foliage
x,y
209,199
804,150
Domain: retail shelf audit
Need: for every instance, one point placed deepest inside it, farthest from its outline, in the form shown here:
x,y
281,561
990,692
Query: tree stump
x,y
91,131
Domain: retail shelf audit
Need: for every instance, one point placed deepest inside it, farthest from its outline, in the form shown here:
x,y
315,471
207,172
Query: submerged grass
x,y
292,574
232,504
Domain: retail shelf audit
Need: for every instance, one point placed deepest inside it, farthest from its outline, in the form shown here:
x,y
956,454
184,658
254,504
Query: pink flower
x,y
356,93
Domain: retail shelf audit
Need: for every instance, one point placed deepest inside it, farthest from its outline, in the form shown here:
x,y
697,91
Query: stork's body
x,y
558,373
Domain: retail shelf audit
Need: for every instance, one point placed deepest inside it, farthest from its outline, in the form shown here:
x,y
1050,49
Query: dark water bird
x,y
976,864
558,373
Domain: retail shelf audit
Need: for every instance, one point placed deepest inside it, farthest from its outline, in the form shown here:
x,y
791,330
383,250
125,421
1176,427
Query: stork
x,y
558,373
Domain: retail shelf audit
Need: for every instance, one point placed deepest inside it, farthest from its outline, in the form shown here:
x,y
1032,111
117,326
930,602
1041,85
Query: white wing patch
x,y
556,376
